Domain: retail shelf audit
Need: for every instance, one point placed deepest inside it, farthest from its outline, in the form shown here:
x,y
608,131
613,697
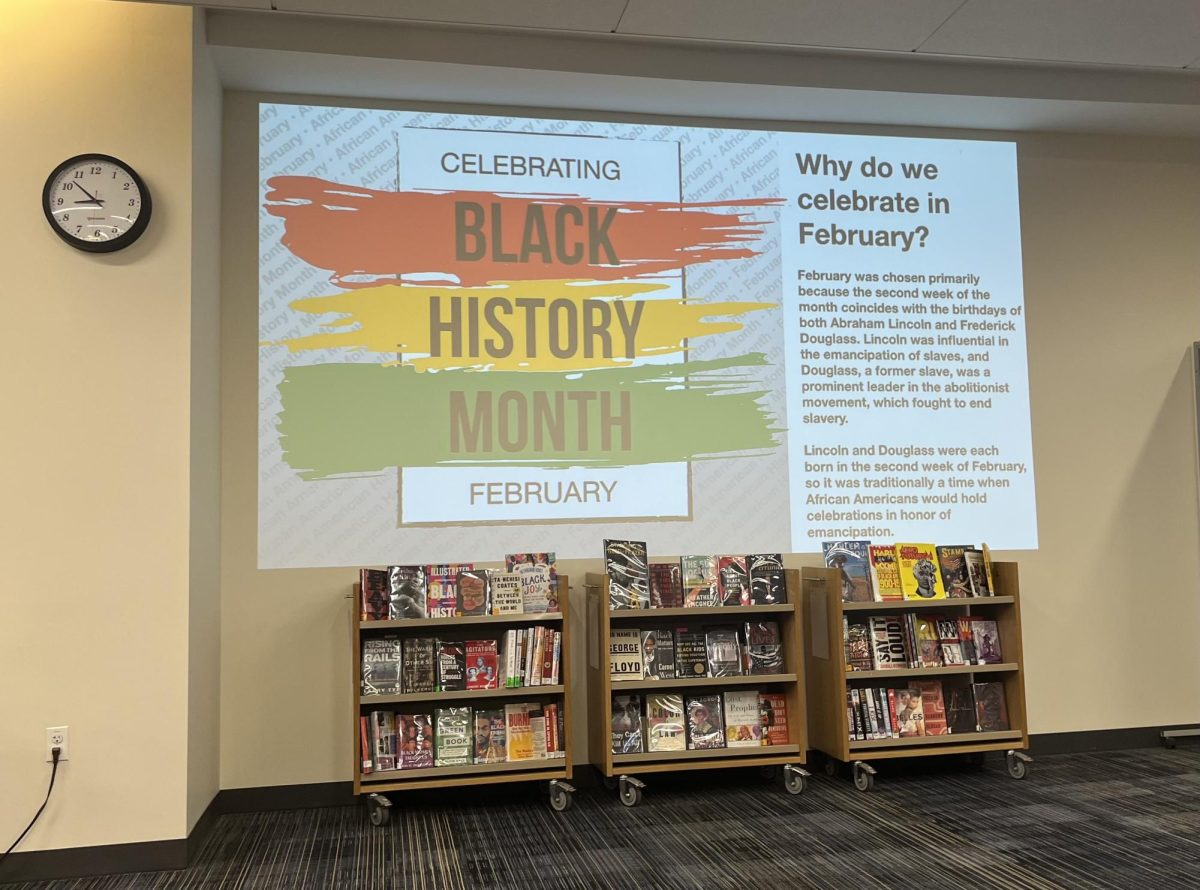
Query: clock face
x,y
96,203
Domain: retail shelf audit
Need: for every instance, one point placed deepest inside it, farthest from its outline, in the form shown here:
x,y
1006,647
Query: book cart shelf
x,y
621,770
374,786
829,677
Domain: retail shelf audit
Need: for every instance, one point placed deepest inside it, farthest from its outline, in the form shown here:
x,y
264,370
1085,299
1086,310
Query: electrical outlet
x,y
58,737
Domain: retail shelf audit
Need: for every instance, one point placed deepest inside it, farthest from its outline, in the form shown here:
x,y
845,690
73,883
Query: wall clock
x,y
96,203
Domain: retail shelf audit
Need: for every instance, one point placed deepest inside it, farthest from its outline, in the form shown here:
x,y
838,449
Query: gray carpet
x,y
1115,820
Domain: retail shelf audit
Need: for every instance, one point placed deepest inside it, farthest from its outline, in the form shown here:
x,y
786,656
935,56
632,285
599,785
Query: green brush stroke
x,y
362,418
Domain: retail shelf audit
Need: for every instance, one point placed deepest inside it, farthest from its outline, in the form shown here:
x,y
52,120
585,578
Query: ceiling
x,y
1134,33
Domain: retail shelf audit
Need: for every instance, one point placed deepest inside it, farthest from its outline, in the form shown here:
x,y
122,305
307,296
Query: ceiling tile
x,y
847,24
1153,33
568,15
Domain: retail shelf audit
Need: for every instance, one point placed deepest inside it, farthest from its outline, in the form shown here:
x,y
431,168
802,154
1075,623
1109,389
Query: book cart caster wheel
x,y
379,810
1016,761
864,776
631,791
610,782
795,780
561,796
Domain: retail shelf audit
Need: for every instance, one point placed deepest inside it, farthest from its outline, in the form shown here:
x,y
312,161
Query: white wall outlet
x,y
57,737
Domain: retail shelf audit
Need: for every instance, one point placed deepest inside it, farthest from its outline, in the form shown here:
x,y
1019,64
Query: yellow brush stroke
x,y
395,318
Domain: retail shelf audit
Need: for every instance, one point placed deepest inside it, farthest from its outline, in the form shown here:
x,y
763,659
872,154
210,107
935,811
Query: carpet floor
x,y
1108,820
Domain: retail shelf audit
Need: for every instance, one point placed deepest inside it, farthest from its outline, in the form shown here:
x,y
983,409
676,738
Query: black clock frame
x,y
121,241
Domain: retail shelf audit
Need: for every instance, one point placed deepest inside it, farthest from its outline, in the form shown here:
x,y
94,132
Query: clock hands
x,y
92,199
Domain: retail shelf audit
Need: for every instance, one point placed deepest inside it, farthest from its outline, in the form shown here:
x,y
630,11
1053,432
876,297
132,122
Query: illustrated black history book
x,y
441,588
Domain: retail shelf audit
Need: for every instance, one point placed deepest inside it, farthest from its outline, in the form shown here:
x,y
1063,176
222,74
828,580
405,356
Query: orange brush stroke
x,y
363,234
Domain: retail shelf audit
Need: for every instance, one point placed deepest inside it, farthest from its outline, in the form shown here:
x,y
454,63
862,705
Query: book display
x,y
705,673
460,678
928,664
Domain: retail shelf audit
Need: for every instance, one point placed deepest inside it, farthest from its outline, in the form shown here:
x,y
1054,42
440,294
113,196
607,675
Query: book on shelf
x,y
383,740
920,577
627,724
665,729
887,643
482,664
406,592
966,640
366,764
491,740
991,711
854,568
539,580
952,652
441,588
518,731
628,574
705,728
885,573
987,641
373,595
960,705
858,645
666,585
420,665
381,660
451,666
451,736
733,581
956,577
507,594
979,572
772,713
691,654
700,586
764,648
743,723
625,654
933,706
414,734
473,593
929,644
724,652
767,584
658,655
910,714
538,736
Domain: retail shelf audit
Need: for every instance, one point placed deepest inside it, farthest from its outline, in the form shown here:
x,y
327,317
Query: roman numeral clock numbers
x,y
96,203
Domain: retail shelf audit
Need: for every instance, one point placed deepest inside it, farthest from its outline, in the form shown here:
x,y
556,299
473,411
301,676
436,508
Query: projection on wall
x,y
482,335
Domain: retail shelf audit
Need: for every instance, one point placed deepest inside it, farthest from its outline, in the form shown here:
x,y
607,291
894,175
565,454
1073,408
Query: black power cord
x,y
55,753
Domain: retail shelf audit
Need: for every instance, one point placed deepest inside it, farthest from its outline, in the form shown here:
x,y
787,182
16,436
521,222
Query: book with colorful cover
x,y
929,644
628,574
920,576
966,640
507,593
474,593
705,727
724,652
483,664
733,580
441,588
764,649
885,573
854,568
743,723
665,723
406,592
364,744
658,655
691,654
887,643
767,584
625,654
452,736
960,705
491,740
518,731
956,576
666,585
383,740
539,580
381,660
700,587
420,665
910,716
373,595
979,572
414,742
991,711
452,665
858,646
987,641
627,724
772,712
933,706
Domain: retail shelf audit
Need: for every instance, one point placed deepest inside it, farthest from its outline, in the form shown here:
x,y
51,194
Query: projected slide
x,y
482,334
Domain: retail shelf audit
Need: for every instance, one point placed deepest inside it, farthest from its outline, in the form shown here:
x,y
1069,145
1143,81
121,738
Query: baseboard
x,y
1099,740
285,797
78,862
